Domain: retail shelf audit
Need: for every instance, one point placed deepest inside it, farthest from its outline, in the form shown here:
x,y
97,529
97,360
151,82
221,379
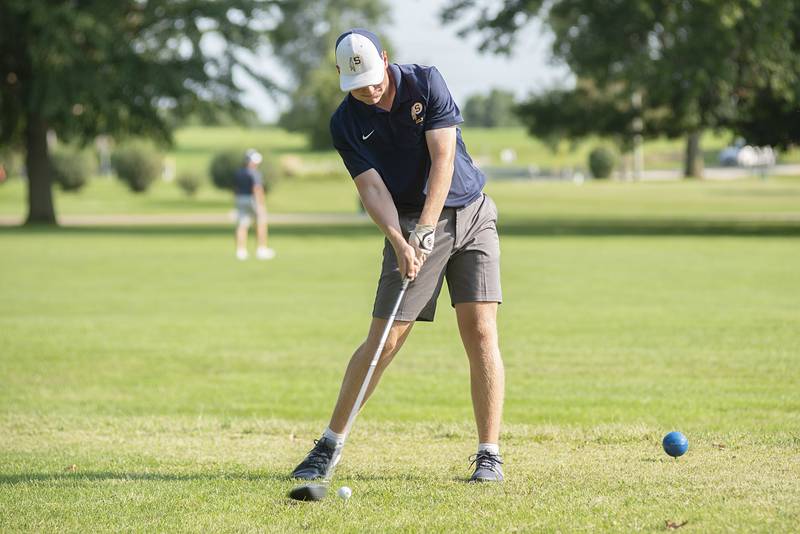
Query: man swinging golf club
x,y
397,134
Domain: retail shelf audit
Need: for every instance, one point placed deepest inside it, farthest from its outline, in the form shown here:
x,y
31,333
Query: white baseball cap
x,y
359,58
253,156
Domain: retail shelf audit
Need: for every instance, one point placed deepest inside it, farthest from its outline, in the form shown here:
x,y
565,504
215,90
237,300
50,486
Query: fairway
x,y
151,382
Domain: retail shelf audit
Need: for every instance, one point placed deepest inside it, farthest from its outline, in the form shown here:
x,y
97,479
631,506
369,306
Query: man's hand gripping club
x,y
378,203
408,262
422,239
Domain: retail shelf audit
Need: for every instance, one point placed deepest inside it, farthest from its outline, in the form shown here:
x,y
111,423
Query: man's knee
x,y
479,322
486,326
393,341
478,325
389,347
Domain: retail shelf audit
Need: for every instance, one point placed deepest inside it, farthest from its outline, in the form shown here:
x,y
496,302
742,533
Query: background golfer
x,y
250,206
396,133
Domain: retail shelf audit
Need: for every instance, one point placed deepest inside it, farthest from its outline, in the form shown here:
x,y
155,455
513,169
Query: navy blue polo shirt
x,y
244,180
393,142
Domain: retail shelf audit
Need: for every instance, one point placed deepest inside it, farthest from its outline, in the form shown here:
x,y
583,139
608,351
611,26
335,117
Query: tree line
x,y
656,67
140,68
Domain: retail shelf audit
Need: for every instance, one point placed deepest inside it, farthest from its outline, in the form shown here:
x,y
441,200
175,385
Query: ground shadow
x,y
311,230
649,227
24,478
255,476
512,227
764,193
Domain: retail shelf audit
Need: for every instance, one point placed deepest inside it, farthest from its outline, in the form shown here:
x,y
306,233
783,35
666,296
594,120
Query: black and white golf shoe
x,y
318,461
488,467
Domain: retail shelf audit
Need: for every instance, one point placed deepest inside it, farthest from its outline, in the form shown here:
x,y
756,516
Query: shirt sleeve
x,y
256,177
442,110
355,162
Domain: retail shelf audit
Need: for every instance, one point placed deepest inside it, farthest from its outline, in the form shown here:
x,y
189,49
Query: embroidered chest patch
x,y
416,113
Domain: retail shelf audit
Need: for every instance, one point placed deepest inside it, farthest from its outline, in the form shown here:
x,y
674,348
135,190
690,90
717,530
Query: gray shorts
x,y
466,251
247,210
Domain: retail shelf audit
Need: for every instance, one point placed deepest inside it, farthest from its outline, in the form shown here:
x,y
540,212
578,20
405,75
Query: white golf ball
x,y
344,493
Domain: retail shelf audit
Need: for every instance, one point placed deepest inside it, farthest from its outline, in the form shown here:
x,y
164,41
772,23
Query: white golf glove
x,y
422,238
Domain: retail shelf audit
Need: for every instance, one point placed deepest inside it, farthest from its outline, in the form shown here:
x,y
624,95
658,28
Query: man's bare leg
x,y
477,323
241,240
323,456
359,364
261,233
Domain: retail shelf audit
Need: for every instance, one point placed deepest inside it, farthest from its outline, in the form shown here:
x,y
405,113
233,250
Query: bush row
x,y
138,164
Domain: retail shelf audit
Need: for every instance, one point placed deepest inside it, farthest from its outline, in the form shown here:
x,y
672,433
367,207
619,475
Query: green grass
x,y
184,386
315,183
108,196
320,187
772,201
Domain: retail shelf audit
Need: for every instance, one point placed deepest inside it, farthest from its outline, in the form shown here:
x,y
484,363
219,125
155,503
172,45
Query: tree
x,y
769,118
303,41
313,103
497,109
474,111
579,112
82,68
695,64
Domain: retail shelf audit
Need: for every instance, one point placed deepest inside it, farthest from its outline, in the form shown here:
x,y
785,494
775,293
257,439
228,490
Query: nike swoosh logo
x,y
365,137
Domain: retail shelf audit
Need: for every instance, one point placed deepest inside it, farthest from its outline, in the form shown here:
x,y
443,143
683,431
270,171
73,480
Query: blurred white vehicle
x,y
741,155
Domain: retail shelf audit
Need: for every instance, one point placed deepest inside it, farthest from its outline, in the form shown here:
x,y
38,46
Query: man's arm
x,y
442,148
379,204
258,195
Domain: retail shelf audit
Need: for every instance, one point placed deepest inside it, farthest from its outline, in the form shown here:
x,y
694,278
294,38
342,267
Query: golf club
x,y
316,492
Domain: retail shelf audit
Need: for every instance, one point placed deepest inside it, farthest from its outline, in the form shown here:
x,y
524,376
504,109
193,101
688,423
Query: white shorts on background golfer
x,y
247,210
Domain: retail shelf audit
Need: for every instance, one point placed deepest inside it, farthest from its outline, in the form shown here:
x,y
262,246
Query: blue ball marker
x,y
675,444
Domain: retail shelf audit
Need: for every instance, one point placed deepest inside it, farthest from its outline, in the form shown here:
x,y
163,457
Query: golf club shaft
x,y
372,365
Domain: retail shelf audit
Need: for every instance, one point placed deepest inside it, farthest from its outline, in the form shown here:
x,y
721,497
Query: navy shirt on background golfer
x,y
393,142
244,180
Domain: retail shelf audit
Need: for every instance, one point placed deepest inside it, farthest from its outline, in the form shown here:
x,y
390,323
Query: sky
x,y
418,36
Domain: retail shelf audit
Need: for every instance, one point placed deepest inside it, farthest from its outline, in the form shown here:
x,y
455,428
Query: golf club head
x,y
309,492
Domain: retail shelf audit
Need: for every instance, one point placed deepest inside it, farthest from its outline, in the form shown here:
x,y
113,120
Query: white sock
x,y
333,436
492,448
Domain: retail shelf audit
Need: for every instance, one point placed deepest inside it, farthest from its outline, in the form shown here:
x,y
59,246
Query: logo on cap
x,y
355,62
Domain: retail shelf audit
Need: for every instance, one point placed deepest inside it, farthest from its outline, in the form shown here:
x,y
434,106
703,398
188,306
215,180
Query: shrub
x,y
71,168
138,164
225,164
601,162
189,183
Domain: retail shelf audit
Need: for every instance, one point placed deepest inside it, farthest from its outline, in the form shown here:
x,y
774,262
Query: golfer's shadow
x,y
23,478
255,476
